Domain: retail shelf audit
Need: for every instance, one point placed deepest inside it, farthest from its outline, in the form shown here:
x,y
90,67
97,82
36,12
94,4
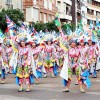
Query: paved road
x,y
49,89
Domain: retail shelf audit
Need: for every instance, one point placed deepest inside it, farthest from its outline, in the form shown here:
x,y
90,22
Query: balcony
x,y
97,0
93,7
68,2
92,17
64,16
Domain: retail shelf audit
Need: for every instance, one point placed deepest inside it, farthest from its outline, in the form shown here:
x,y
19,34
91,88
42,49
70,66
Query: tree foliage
x,y
50,26
15,14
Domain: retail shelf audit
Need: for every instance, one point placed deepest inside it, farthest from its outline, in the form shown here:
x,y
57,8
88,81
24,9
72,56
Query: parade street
x,y
49,89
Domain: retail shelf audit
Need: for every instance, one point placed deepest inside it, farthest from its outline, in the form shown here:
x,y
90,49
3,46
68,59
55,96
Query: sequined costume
x,y
23,68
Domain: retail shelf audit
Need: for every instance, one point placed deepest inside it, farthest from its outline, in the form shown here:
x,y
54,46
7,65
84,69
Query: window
x,y
40,16
89,1
58,6
34,1
35,14
83,13
98,13
94,22
53,17
49,17
45,4
88,22
45,18
8,1
9,4
89,11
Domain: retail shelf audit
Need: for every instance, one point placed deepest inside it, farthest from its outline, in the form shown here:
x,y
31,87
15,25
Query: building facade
x,y
90,11
39,10
87,10
64,10
12,4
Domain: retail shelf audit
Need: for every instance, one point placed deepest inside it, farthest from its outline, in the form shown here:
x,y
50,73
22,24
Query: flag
x,y
28,30
12,34
33,29
1,34
10,23
23,26
68,29
63,42
64,71
57,21
6,31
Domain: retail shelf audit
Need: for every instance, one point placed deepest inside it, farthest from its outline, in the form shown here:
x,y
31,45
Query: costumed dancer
x,y
72,66
60,54
83,54
23,72
73,56
49,60
98,59
92,58
83,61
96,48
2,60
9,53
37,55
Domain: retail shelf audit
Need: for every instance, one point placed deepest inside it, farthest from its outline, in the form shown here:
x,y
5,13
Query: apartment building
x,y
90,10
87,10
12,4
64,10
39,10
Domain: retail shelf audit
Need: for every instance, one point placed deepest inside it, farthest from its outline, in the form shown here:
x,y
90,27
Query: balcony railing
x,y
64,16
92,17
68,2
93,6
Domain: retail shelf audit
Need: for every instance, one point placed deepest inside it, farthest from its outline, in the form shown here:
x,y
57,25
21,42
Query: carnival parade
x,y
31,56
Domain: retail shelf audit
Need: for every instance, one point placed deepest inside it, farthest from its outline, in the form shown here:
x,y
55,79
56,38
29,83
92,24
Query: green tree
x,y
14,14
43,26
51,26
39,26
